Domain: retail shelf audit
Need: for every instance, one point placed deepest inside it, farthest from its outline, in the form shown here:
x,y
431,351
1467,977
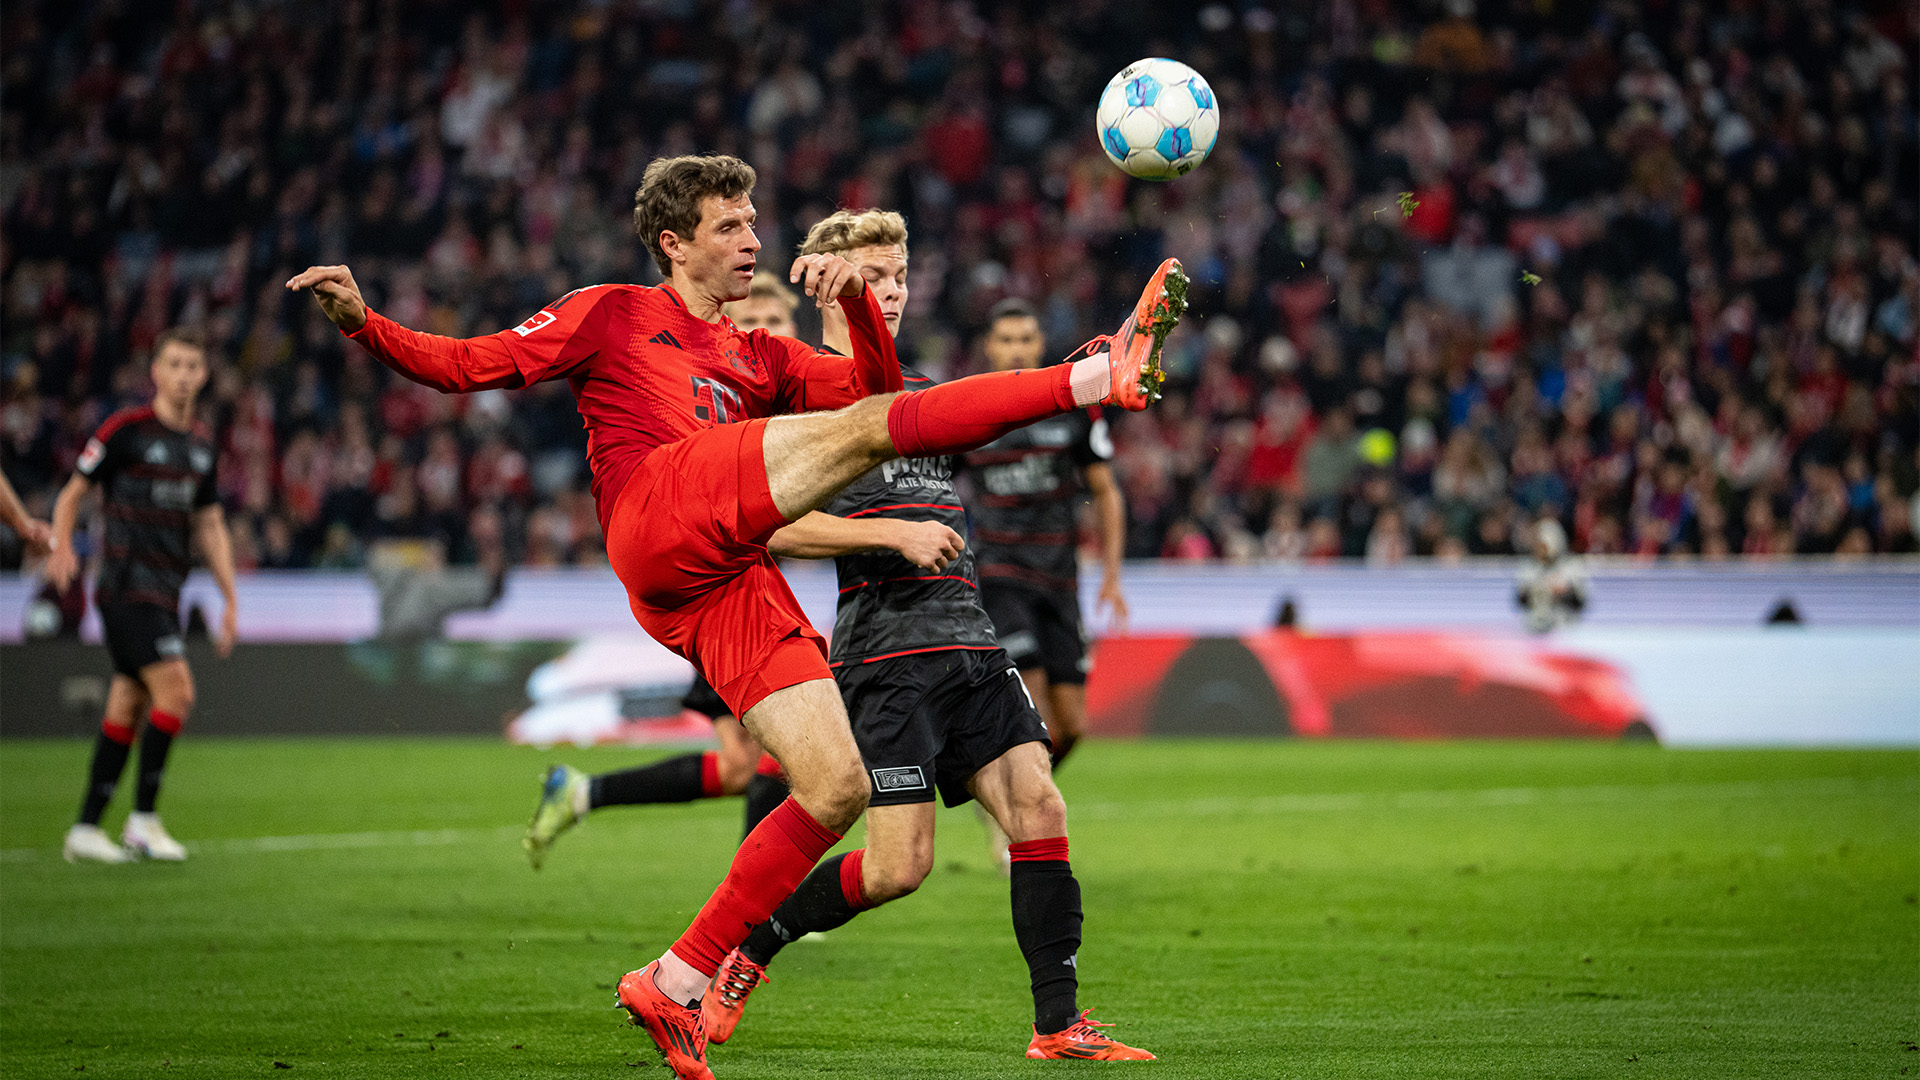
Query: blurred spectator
x,y
1648,270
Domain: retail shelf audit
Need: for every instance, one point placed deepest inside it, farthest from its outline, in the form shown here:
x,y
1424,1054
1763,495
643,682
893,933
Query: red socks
x,y
118,732
710,775
1052,849
165,721
969,413
771,862
852,888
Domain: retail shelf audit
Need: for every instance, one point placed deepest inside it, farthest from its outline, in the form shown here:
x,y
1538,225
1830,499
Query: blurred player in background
x,y
935,703
1026,532
35,535
1552,586
156,466
704,441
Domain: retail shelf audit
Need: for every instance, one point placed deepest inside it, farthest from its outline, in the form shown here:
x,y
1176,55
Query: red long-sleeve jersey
x,y
645,372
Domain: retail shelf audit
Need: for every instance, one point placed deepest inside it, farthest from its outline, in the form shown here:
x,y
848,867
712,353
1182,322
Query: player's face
x,y
884,266
720,258
179,371
1015,342
762,313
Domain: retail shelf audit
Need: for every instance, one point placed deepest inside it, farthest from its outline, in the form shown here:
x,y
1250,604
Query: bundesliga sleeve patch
x,y
91,457
905,778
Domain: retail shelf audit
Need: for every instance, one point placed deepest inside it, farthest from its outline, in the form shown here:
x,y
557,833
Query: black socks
x,y
677,779
1046,922
109,760
820,903
154,745
763,794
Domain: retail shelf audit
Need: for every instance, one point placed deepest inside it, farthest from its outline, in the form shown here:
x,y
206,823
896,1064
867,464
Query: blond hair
x,y
767,285
844,230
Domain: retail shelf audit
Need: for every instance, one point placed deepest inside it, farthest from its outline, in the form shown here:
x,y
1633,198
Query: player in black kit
x,y
1026,526
935,705
156,466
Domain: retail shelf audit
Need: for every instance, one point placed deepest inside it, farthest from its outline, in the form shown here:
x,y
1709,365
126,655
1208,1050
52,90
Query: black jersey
x,y
154,478
1026,514
888,605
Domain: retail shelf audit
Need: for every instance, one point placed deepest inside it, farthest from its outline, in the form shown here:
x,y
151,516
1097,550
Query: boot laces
x,y
738,980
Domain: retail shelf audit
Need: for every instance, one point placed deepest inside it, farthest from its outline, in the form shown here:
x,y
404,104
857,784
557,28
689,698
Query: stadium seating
x,y
1651,271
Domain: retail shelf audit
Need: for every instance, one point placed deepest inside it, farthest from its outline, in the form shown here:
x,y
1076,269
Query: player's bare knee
x,y
836,800
1038,811
895,879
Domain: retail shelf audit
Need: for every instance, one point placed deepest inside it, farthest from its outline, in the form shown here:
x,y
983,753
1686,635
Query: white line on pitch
x,y
256,845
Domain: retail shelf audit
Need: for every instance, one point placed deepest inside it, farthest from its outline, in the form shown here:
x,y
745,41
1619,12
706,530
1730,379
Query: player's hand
x,y
339,297
928,545
229,633
826,278
1114,603
62,565
38,537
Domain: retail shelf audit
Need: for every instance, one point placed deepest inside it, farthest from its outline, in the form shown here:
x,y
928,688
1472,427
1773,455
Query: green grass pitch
x,y
1267,909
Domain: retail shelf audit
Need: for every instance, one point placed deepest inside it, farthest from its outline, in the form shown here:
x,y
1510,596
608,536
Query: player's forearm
x,y
12,513
876,367
1110,510
216,546
823,536
452,365
66,511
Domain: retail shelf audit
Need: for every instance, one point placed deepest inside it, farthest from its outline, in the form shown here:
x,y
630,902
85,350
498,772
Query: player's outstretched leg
x,y
810,457
1122,370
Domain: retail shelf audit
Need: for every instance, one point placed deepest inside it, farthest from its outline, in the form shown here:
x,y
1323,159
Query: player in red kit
x,y
703,442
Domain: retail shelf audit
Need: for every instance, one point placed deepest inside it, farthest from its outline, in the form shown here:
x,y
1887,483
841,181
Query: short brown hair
x,y
671,191
180,335
844,230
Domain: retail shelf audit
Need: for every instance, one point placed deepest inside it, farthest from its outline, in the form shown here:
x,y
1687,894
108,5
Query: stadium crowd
x,y
1648,268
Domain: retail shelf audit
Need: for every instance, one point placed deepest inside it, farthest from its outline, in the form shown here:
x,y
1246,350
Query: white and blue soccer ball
x,y
1158,119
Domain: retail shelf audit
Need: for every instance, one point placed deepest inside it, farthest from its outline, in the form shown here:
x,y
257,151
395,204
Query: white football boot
x,y
90,842
144,836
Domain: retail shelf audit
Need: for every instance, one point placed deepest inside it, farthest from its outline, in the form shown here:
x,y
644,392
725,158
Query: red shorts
x,y
688,537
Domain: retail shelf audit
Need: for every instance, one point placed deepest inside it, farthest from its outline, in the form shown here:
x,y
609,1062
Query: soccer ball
x,y
1157,119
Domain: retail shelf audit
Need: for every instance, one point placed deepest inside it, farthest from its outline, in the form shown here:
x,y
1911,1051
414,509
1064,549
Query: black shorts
x,y
934,719
1039,629
141,634
702,699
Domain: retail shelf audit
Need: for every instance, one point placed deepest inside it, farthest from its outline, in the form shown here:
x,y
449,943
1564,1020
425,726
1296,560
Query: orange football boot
x,y
726,996
1134,353
674,1028
1083,1040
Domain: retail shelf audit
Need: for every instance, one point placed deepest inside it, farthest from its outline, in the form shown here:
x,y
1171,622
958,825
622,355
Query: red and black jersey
x,y
888,606
153,478
1026,514
644,370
